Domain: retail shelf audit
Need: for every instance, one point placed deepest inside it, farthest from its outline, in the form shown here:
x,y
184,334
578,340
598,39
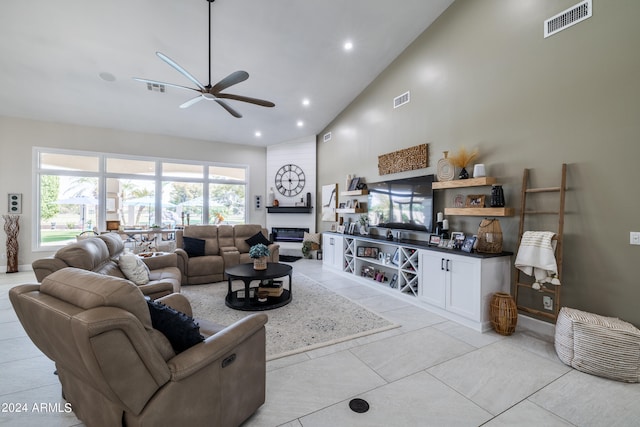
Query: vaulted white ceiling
x,y
53,53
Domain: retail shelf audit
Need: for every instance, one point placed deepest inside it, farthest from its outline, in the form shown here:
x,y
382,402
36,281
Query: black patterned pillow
x,y
193,247
257,239
181,330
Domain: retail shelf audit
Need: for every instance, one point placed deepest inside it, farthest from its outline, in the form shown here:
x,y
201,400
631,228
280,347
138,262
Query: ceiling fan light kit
x,y
209,92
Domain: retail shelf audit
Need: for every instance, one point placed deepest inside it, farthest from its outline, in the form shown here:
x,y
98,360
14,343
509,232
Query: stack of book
x,y
273,288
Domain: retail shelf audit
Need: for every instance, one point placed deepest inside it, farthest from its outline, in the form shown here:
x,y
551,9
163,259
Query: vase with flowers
x,y
259,254
461,159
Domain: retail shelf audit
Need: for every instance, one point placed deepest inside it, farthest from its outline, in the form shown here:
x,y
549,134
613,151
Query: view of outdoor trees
x,y
70,204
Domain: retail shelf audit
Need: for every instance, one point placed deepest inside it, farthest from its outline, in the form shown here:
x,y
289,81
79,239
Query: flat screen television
x,y
405,204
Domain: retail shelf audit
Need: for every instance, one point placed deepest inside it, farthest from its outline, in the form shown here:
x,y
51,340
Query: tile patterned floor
x,y
429,372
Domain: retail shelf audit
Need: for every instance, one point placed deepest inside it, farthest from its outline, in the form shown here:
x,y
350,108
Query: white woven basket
x,y
603,346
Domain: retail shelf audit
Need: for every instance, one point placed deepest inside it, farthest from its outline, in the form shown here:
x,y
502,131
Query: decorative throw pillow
x,y
311,237
134,269
256,239
181,330
194,247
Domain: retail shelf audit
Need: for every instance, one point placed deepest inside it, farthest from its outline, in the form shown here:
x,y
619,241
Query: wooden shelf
x,y
461,183
480,211
351,211
354,193
289,209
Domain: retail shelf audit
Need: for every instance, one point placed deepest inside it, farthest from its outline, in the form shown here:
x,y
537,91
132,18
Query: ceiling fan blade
x,y
231,111
155,82
232,79
192,101
181,70
250,100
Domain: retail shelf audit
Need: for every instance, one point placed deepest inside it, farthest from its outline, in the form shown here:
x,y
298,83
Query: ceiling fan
x,y
209,92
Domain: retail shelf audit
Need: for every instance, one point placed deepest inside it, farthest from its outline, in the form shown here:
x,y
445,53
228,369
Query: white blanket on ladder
x,y
536,256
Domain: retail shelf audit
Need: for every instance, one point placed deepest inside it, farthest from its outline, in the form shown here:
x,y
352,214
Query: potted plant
x,y
259,254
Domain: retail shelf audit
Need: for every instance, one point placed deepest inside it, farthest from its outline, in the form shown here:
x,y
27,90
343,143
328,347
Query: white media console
x,y
454,284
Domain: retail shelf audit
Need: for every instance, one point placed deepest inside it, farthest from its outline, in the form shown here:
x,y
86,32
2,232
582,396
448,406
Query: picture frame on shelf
x,y
458,239
451,243
367,271
475,201
334,227
352,227
396,258
368,252
353,185
342,205
467,245
435,239
394,281
340,229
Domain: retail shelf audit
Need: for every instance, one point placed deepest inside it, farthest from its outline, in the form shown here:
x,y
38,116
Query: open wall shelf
x,y
480,211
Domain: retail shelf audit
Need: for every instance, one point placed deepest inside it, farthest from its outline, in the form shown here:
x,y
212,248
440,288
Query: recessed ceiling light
x,y
258,134
348,45
306,102
300,123
107,77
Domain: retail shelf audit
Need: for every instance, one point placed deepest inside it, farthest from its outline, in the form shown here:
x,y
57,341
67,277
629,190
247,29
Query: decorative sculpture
x,y
12,228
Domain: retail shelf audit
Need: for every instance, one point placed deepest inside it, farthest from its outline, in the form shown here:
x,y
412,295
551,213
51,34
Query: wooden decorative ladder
x,y
552,290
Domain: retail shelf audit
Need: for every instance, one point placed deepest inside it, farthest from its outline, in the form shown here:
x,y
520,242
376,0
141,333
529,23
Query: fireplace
x,y
288,234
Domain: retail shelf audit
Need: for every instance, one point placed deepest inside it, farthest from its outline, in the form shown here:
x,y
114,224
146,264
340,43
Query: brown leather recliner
x,y
115,369
100,254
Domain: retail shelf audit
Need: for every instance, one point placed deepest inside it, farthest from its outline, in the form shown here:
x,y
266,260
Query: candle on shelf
x,y
439,217
445,224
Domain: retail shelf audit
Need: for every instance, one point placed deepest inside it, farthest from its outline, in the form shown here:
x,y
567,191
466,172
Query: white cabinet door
x,y
332,250
432,286
451,282
463,286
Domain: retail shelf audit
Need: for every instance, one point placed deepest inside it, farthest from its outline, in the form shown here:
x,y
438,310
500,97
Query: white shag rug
x,y
316,316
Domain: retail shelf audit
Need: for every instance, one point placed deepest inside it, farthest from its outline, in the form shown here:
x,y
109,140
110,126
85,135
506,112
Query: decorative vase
x,y
503,313
260,263
445,171
497,196
12,228
463,174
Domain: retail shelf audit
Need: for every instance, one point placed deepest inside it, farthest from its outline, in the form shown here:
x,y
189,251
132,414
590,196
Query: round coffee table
x,y
243,299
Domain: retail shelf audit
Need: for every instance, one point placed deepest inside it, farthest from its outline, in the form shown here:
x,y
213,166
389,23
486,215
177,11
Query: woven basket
x,y
490,236
503,313
260,263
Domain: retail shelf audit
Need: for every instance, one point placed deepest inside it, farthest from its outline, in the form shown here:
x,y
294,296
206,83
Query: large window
x,y
79,192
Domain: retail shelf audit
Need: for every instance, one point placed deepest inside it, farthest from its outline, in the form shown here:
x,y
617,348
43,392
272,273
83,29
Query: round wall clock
x,y
290,180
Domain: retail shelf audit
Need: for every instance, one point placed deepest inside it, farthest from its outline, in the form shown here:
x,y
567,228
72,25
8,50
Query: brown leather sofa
x,y
100,255
224,246
116,369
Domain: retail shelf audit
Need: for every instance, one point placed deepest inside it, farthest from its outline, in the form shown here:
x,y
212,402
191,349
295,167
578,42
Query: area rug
x,y
316,317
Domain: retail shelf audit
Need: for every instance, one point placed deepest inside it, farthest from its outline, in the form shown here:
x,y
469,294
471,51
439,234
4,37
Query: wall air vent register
x,y
567,18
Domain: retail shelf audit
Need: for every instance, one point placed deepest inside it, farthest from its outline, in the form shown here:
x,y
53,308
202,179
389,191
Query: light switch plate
x,y
634,238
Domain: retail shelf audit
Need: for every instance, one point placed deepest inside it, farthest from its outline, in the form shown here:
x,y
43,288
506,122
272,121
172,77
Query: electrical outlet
x,y
634,238
547,302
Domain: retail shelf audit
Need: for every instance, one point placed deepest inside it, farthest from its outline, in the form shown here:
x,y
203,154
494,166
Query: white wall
x,y
300,152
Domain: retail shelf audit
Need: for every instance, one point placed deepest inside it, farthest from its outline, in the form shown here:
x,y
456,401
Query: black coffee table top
x,y
272,271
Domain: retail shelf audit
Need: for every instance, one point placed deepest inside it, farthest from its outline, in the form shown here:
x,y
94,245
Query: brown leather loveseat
x,y
222,246
116,369
100,254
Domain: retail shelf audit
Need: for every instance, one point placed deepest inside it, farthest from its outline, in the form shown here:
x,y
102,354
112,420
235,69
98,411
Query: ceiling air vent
x,y
401,100
326,137
155,87
567,18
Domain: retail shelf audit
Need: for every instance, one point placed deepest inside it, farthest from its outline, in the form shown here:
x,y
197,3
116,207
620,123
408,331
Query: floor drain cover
x,y
359,405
